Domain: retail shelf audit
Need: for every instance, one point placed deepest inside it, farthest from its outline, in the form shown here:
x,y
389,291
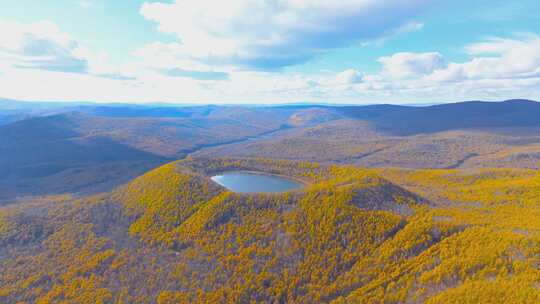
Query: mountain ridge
x,y
364,135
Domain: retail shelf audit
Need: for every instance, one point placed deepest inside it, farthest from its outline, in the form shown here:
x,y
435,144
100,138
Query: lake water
x,y
246,182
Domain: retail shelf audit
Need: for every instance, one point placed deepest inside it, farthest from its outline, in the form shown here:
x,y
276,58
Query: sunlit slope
x,y
350,236
481,245
283,247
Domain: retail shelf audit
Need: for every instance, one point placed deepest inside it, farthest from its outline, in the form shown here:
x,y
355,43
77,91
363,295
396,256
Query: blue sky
x,y
246,51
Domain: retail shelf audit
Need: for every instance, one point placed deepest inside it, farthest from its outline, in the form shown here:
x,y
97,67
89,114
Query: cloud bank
x,y
239,52
497,58
269,35
41,45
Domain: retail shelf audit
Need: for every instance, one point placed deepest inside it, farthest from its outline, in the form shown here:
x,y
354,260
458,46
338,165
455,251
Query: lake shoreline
x,y
248,181
292,178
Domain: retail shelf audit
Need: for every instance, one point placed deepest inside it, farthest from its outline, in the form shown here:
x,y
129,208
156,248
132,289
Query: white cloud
x,y
270,35
167,59
499,68
40,45
350,76
170,55
43,46
497,58
403,65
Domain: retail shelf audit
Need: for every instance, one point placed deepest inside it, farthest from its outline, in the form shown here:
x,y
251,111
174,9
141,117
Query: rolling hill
x,y
40,154
173,236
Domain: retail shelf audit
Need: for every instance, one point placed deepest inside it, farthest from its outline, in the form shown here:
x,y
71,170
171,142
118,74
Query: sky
x,y
270,51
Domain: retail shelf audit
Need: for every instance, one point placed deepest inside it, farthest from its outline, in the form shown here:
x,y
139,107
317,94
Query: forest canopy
x,y
352,235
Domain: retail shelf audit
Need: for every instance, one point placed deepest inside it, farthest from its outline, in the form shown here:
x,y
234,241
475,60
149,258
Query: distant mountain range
x,y
464,115
397,119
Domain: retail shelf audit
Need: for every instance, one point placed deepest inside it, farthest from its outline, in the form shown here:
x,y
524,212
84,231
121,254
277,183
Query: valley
x,y
76,142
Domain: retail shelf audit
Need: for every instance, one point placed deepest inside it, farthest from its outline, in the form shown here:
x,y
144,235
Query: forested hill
x,y
351,235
